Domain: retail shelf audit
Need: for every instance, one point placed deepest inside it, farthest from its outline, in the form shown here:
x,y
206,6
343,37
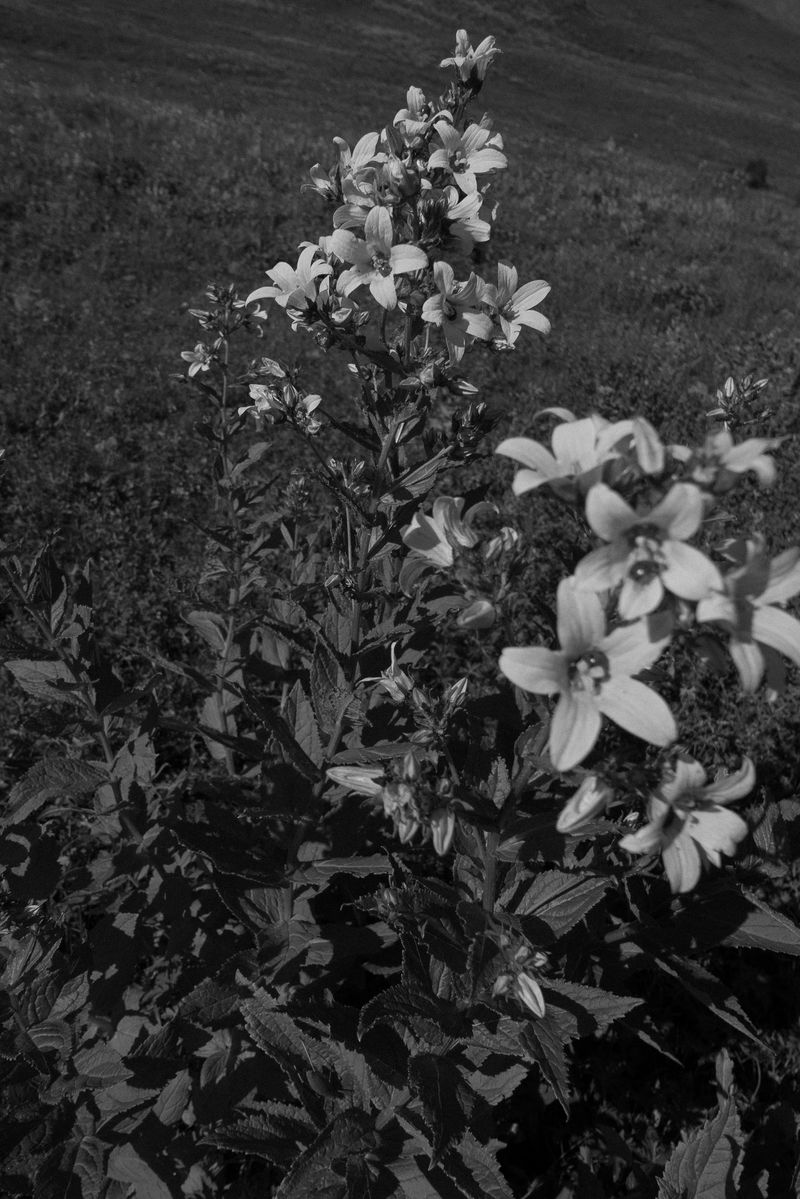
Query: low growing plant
x,y
436,819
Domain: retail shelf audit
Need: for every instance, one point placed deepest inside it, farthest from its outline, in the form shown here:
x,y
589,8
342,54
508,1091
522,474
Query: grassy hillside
x,y
151,147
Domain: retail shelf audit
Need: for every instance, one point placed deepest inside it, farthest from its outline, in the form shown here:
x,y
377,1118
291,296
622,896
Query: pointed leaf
x,y
44,680
446,1104
51,778
708,1164
580,1011
89,1165
125,1165
556,900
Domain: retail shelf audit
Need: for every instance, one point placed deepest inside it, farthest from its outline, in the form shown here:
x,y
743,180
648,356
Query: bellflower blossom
x,y
647,551
592,675
375,259
581,450
688,822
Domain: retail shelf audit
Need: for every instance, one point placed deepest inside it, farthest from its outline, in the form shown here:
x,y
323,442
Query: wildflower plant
x,y
379,893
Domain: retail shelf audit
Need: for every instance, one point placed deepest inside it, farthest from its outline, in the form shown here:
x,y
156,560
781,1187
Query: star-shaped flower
x,y
468,154
515,305
471,62
294,287
581,450
688,822
375,259
744,607
592,675
455,309
647,551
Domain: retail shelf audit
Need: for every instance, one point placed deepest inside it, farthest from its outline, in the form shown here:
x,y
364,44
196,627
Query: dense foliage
x,y
438,813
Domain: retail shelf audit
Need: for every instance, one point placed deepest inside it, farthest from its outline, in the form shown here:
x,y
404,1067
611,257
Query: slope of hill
x,y
692,80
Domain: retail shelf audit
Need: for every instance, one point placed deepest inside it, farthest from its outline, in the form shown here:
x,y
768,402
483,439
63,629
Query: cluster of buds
x,y
284,402
519,977
732,399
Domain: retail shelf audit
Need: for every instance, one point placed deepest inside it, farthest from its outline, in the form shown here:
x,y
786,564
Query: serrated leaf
x,y
51,778
541,1040
29,955
89,1166
209,1003
709,992
555,900
274,1133
301,718
726,916
413,1177
446,1104
708,1164
350,1134
486,1176
71,998
580,1011
125,1165
52,1036
101,1065
49,680
326,868
171,1103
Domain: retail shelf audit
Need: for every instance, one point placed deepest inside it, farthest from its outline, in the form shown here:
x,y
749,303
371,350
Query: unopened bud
x,y
530,993
589,800
443,826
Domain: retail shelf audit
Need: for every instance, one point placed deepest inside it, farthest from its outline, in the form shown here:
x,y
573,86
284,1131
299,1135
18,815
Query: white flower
x,y
592,797
581,449
592,675
647,551
688,822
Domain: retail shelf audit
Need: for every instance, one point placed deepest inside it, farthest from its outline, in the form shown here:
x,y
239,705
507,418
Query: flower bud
x,y
589,800
501,984
455,695
529,992
480,614
443,826
649,447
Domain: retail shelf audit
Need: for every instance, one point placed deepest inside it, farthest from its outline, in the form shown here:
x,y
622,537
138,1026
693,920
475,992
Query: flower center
x,y
589,672
649,560
460,163
381,263
450,311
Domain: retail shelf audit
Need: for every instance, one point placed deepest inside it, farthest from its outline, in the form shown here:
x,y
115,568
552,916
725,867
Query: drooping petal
x,y
535,669
680,513
688,572
589,800
531,454
749,662
487,160
778,629
718,831
478,324
649,447
682,864
608,513
581,622
716,608
574,729
534,320
732,786
638,710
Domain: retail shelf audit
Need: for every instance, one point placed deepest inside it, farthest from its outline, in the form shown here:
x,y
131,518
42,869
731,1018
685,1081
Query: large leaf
x,y
274,1133
89,1165
542,1042
474,1168
708,1164
580,1011
349,1135
125,1165
727,916
446,1101
553,902
51,778
44,680
300,715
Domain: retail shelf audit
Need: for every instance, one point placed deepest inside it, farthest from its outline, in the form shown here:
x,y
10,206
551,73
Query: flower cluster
x,y
630,596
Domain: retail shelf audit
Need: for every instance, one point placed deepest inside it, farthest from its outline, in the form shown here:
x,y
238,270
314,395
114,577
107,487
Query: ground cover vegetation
x,y
308,885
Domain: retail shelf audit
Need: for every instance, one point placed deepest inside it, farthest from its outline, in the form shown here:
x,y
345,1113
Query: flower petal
x,y
531,454
638,710
535,669
680,513
688,572
748,659
778,629
581,622
784,577
574,443
574,729
630,650
718,831
607,512
638,598
682,864
732,786
405,259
